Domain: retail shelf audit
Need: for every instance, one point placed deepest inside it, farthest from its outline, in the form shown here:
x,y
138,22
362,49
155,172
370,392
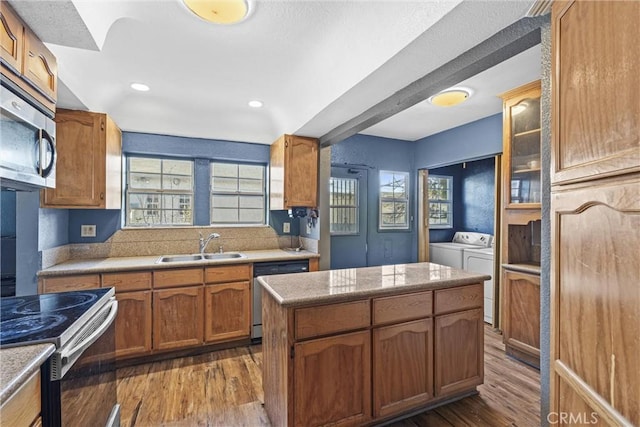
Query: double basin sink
x,y
200,257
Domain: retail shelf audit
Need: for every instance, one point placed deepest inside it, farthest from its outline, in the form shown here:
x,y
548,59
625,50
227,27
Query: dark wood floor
x,y
224,388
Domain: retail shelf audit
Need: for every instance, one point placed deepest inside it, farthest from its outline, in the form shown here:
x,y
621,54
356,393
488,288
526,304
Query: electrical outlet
x,y
286,227
87,231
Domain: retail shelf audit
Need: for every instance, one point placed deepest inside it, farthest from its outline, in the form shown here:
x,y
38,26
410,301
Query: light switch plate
x,y
87,231
286,227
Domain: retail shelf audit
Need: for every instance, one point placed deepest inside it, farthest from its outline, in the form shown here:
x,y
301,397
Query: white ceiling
x,y
314,64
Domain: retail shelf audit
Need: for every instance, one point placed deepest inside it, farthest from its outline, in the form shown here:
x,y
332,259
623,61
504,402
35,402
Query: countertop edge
x,y
95,265
14,373
372,293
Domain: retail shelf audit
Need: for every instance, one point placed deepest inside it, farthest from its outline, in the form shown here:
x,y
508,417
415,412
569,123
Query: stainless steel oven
x,y
79,379
27,144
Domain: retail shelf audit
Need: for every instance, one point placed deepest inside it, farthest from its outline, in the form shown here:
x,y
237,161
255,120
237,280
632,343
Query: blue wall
x,y
7,213
475,140
202,150
385,247
478,196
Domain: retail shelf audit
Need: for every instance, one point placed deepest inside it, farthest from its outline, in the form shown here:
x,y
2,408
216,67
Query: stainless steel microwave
x,y
27,144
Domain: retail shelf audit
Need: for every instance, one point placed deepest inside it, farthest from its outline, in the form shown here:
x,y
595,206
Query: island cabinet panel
x,y
133,324
69,283
346,399
227,311
328,319
22,408
402,366
459,351
177,317
399,308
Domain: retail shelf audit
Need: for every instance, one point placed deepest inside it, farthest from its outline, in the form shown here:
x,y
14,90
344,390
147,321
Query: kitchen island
x,y
367,345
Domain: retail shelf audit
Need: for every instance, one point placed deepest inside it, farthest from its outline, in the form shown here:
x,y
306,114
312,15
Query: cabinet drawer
x,y
399,308
456,299
181,277
70,283
328,319
127,281
227,273
23,407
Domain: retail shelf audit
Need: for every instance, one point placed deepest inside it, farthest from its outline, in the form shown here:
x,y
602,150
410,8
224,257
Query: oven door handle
x,y
63,359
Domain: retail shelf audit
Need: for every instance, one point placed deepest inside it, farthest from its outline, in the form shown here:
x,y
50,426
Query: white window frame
x,y
263,193
158,193
395,200
448,201
344,204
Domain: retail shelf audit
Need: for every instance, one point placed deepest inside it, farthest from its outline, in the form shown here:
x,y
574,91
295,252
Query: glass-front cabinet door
x,y
522,147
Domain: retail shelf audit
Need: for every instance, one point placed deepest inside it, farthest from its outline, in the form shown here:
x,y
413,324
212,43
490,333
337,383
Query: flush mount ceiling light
x,y
255,103
141,87
450,97
219,11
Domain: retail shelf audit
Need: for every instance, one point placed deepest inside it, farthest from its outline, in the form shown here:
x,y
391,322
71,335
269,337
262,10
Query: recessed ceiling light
x,y
450,97
219,11
255,103
139,87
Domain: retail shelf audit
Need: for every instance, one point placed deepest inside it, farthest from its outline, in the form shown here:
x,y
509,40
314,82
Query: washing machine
x,y
451,253
481,261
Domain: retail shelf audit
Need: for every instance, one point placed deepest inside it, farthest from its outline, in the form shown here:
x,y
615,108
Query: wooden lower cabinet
x,y
23,407
227,311
521,319
402,366
133,324
459,355
346,399
177,317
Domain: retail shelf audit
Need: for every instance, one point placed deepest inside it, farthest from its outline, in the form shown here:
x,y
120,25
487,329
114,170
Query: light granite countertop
x,y
330,286
103,265
17,364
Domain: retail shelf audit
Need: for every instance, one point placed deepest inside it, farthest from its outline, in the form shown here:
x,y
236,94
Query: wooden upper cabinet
x,y
595,80
40,67
89,165
521,147
294,172
11,39
25,60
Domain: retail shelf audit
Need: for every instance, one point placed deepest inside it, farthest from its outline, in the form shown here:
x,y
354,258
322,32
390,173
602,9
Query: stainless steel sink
x,y
224,255
180,258
200,257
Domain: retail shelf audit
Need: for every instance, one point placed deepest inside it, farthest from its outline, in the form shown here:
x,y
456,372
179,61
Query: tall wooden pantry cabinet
x,y
595,212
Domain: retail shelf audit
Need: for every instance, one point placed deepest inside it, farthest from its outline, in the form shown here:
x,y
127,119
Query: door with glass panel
x,y
348,217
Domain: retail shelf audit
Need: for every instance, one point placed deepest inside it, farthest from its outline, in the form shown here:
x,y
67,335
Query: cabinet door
x,y
332,378
133,324
595,298
39,66
522,315
177,318
459,351
227,311
402,366
301,171
80,170
11,39
595,82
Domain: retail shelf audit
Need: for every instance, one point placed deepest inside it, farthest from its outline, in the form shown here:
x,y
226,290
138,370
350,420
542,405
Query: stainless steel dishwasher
x,y
268,269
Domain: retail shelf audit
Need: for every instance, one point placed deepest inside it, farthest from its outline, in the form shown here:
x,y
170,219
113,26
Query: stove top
x,y
52,318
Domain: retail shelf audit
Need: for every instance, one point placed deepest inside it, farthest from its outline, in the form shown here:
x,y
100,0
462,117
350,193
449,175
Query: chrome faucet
x,y
204,242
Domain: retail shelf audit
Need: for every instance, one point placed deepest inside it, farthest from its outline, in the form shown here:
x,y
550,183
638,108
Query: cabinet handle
x,y
101,196
101,125
31,54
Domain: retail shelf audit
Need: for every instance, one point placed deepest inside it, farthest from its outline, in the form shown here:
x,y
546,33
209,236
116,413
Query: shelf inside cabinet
x,y
526,133
524,267
526,170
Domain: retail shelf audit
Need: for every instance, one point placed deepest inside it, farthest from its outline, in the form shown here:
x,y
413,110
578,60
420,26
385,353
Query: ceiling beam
x,y
503,45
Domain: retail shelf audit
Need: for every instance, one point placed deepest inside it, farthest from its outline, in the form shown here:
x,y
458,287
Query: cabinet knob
x,y
101,196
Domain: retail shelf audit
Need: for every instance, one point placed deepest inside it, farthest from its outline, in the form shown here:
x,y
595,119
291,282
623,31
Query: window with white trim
x,y
394,200
159,192
440,194
238,194
343,206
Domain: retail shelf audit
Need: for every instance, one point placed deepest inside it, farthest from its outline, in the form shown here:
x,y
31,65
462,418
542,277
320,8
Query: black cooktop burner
x,y
33,319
